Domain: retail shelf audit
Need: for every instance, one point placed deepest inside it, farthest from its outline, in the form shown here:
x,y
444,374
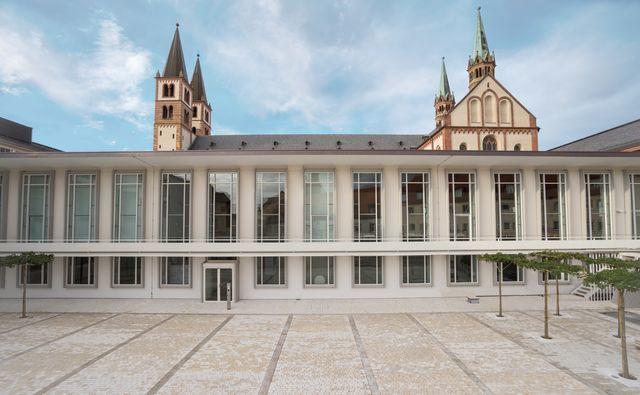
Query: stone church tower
x,y
488,117
181,108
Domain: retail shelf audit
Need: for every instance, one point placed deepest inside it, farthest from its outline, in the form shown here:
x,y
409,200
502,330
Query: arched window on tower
x,y
505,111
474,109
165,113
195,112
489,109
517,147
170,112
489,144
187,96
165,90
172,91
463,147
206,116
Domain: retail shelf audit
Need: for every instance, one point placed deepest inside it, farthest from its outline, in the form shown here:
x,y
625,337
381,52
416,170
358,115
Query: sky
x,y
81,73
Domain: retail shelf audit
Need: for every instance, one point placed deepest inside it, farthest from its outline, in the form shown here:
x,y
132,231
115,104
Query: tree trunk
x,y
557,296
623,336
500,291
24,291
546,306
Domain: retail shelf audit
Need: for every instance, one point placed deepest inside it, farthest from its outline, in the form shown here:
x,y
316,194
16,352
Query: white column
x,y
485,209
105,223
440,227
619,214
295,225
13,211
246,227
199,204
392,211
530,205
58,207
344,224
152,226
575,202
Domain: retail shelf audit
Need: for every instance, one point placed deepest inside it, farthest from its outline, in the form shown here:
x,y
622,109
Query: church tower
x,y
481,62
444,101
172,115
201,109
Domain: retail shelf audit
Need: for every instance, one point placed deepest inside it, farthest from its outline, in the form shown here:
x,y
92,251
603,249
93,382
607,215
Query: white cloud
x,y
107,81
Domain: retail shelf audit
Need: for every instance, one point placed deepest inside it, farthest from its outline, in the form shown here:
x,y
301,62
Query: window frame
x,y
331,272
48,216
4,187
379,215
188,214
519,194
331,210
426,204
427,261
235,225
635,211
93,272
115,261
564,225
259,235
139,217
380,277
283,272
474,264
473,200
522,270
609,225
94,215
46,270
163,263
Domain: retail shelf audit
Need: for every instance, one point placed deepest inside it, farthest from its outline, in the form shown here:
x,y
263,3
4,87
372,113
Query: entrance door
x,y
216,278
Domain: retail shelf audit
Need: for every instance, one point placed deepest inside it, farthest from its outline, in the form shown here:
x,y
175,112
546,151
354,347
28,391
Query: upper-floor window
x,y
489,109
187,96
36,189
508,205
206,116
81,207
165,114
270,205
175,219
318,205
367,208
553,204
415,206
223,206
462,207
172,91
128,199
2,215
474,111
165,90
505,111
195,112
635,204
489,143
597,187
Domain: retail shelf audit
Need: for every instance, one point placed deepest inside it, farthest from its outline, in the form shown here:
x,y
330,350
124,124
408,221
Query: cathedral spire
x,y
175,60
481,47
197,83
444,91
444,101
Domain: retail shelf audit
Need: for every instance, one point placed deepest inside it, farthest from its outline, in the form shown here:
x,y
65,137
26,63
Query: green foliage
x,y
25,258
505,259
622,274
553,262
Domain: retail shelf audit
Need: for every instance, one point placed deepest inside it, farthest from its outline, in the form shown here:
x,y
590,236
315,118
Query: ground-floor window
x,y
271,270
319,271
80,271
127,271
367,270
416,270
552,277
36,274
510,273
463,269
175,271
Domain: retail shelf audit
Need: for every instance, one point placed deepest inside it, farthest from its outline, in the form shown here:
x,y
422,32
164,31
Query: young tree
x,y
624,276
22,261
550,262
502,261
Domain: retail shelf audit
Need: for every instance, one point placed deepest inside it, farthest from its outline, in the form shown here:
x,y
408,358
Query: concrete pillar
x,y
199,204
531,207
246,227
575,202
14,191
485,203
344,224
295,225
392,220
618,212
105,224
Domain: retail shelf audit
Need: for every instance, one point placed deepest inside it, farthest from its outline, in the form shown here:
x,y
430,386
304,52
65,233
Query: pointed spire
x,y
175,61
197,83
444,91
481,47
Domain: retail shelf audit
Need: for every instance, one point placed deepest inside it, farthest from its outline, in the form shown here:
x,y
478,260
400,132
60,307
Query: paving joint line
x,y
56,339
452,355
541,354
603,317
187,357
31,323
366,365
271,368
99,357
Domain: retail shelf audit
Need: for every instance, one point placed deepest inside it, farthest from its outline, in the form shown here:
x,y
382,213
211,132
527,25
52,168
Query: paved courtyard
x,y
455,352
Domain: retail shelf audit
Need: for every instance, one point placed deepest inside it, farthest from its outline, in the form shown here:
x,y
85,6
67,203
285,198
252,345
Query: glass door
x,y
211,285
215,283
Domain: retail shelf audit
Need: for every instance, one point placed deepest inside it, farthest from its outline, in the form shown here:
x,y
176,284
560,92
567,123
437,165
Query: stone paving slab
x,y
12,321
310,363
404,360
136,367
43,331
233,361
40,367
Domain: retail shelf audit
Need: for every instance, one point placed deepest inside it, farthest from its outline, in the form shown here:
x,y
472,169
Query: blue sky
x,y
81,72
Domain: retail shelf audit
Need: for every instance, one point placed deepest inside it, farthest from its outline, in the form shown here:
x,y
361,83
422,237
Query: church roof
x,y
615,139
444,91
175,61
481,46
197,83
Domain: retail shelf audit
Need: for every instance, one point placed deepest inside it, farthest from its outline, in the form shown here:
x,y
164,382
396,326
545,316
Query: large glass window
x,y
81,207
510,273
553,203
463,269
367,270
271,270
319,271
508,206
175,270
462,211
635,204
223,203
127,271
128,206
416,270
2,217
80,271
367,212
597,187
318,205
176,201
415,206
270,206
36,189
